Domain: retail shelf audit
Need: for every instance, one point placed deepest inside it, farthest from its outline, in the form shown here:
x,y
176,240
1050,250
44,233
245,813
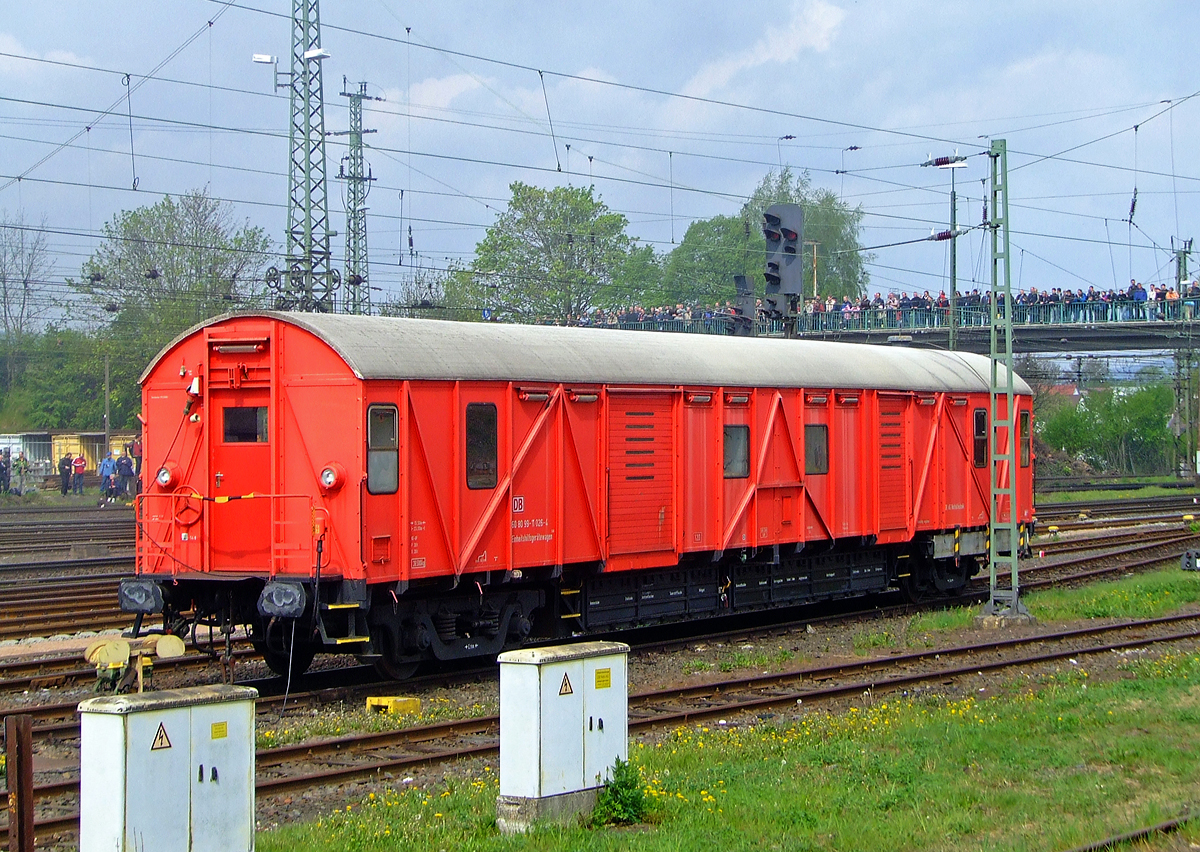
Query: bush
x,y
622,801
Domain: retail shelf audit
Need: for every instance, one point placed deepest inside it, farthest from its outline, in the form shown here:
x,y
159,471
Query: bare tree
x,y
25,269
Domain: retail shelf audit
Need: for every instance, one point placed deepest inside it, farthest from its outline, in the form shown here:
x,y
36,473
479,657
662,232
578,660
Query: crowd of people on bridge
x,y
1137,303
923,309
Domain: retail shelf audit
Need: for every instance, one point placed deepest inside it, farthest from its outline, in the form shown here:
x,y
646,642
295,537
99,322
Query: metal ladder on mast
x,y
1004,532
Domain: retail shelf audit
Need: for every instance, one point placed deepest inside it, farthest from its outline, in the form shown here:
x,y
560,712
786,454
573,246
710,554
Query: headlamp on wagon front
x,y
332,477
139,595
282,600
167,476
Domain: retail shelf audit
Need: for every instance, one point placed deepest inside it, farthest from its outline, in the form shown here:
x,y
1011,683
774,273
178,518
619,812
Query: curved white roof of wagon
x,y
394,348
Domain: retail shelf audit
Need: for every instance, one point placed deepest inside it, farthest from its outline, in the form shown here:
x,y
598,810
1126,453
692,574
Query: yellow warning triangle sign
x,y
161,740
564,689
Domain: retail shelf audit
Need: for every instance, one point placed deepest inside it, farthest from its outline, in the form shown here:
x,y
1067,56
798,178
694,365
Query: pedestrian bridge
x,y
1042,328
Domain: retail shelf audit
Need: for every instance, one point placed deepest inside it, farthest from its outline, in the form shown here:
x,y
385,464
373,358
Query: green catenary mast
x,y
358,184
309,282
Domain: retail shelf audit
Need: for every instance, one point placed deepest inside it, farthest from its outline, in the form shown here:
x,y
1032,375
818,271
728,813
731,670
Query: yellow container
x,y
395,704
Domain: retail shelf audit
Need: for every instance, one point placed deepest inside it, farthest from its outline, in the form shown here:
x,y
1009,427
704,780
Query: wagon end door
x,y
241,469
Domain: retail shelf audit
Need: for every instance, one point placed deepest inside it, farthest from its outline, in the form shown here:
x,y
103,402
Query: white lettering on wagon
x,y
533,538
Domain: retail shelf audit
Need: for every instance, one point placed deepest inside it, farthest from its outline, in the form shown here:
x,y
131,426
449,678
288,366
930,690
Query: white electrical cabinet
x,y
168,770
563,718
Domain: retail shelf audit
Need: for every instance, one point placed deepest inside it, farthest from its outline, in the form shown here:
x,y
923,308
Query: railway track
x,y
33,598
1052,484
462,733
1052,512
63,670
367,756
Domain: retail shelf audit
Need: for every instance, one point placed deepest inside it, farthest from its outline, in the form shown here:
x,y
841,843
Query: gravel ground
x,y
820,645
698,662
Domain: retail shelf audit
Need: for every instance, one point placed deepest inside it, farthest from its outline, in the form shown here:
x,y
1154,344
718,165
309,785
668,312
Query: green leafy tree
x,y
1121,431
638,280
701,268
828,221
159,270
165,267
64,383
553,254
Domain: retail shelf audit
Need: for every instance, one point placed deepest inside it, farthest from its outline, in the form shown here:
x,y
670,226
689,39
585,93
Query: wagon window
x,y
383,450
246,425
737,452
1026,438
482,464
816,448
981,437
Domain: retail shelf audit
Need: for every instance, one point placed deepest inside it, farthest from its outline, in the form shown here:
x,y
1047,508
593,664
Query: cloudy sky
x,y
674,111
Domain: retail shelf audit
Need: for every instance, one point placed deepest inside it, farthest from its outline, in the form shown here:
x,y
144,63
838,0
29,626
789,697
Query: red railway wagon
x,y
410,490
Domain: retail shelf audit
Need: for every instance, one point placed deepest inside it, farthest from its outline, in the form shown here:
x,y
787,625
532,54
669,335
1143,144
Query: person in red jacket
x,y
78,466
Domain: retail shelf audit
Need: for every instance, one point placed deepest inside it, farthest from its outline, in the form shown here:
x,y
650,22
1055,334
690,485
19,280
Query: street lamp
x,y
951,163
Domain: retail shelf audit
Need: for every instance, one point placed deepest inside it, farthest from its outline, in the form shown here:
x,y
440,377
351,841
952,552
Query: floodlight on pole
x,y
306,282
957,161
273,61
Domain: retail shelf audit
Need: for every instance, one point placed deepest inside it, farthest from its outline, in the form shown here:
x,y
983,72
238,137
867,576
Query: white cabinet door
x,y
605,717
562,743
222,777
156,780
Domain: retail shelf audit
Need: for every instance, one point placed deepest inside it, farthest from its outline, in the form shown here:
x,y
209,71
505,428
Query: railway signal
x,y
783,227
744,308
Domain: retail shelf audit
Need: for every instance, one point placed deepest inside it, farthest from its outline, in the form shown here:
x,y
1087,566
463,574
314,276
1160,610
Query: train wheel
x,y
279,662
918,589
938,581
395,671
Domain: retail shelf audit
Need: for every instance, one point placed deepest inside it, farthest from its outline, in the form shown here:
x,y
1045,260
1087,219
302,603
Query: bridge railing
x,y
887,319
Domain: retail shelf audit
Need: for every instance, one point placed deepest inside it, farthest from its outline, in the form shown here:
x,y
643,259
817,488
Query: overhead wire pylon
x,y
358,184
1004,532
309,283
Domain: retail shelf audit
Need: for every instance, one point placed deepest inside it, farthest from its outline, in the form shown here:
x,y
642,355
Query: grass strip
x,y
1047,761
